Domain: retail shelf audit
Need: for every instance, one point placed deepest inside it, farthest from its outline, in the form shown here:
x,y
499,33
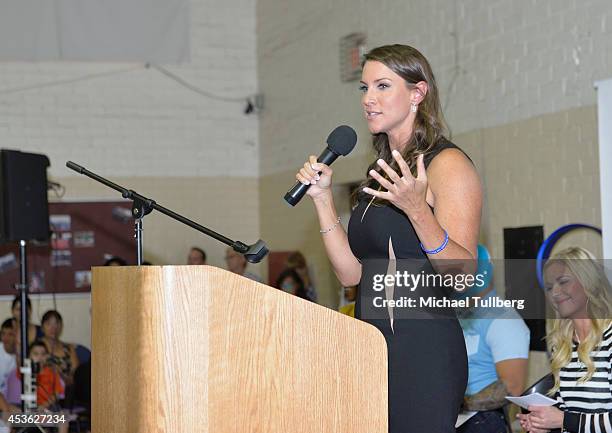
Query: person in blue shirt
x,y
497,343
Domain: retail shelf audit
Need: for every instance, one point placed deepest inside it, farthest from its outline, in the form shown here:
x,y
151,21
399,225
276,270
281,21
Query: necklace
x,y
368,206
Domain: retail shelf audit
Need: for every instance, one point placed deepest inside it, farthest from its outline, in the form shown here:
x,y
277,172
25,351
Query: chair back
x,y
83,353
542,386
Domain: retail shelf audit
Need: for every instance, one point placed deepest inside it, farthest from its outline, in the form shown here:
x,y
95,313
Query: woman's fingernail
x,y
372,172
380,162
395,152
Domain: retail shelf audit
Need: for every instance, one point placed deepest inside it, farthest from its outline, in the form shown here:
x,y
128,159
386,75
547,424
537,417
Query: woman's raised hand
x,y
407,192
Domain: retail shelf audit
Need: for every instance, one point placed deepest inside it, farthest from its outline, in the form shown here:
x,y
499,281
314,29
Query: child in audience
x,y
49,386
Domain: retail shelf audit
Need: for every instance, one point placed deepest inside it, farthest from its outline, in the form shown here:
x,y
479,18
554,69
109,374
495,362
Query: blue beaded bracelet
x,y
440,248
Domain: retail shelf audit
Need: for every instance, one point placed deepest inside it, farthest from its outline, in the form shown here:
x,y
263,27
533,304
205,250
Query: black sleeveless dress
x,y
427,371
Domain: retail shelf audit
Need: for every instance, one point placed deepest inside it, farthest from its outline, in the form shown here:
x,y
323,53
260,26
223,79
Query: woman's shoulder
x,y
442,145
450,165
452,174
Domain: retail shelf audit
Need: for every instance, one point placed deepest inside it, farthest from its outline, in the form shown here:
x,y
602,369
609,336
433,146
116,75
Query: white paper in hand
x,y
535,399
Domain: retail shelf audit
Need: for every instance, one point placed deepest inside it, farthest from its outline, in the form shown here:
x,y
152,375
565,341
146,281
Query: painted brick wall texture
x,y
134,121
496,62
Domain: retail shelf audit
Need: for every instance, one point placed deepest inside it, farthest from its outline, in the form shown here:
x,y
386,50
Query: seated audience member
x,y
196,256
497,343
115,261
581,343
350,295
49,386
62,355
237,264
8,361
34,331
297,261
289,281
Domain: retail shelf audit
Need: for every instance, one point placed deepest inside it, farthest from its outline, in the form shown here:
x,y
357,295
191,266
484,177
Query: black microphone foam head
x,y
342,140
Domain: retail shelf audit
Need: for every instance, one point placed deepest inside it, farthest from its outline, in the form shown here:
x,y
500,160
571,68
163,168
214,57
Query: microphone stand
x,y
28,397
142,206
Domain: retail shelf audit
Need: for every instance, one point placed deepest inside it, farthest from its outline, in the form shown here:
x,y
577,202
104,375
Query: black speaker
x,y
23,193
521,247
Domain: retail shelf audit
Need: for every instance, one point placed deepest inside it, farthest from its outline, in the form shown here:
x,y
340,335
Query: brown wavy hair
x,y
429,126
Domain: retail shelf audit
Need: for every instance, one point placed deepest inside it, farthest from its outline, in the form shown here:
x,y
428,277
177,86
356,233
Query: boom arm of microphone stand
x,y
143,205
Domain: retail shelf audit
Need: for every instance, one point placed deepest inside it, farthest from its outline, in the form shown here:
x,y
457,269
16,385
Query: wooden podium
x,y
198,349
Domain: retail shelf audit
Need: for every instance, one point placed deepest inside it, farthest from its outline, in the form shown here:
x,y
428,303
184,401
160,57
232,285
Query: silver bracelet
x,y
331,228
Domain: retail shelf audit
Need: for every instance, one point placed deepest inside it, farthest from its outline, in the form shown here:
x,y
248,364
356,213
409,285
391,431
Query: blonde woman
x,y
581,343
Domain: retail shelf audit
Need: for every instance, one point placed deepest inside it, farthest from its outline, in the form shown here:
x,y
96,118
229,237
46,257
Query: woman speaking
x,y
421,201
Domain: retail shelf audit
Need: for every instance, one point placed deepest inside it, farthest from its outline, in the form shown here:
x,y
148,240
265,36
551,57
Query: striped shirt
x,y
588,405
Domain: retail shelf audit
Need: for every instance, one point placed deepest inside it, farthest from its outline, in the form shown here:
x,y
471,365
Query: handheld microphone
x,y
341,141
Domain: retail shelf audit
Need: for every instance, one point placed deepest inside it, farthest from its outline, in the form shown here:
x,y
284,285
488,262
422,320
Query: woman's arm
x,y
345,264
550,417
457,194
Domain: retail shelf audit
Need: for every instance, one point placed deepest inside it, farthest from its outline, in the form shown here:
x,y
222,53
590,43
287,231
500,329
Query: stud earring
x,y
413,108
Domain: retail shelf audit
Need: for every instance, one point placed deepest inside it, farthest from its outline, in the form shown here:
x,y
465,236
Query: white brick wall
x,y
521,106
148,132
517,60
139,122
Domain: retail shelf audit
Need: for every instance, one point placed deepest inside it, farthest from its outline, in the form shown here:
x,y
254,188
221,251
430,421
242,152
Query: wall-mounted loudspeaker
x,y
24,212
